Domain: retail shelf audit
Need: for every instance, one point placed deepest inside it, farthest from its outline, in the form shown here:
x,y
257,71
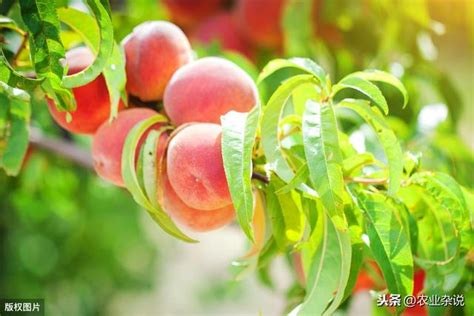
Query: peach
x,y
187,13
108,142
324,29
223,29
197,220
260,21
204,90
153,52
195,167
92,99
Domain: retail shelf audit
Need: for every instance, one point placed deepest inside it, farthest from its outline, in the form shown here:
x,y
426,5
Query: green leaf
x,y
114,71
270,122
448,196
14,128
46,49
357,254
389,241
132,183
365,87
276,218
297,27
300,177
83,24
116,78
238,138
7,23
150,166
13,78
304,64
285,214
386,137
324,158
385,77
353,164
329,254
105,50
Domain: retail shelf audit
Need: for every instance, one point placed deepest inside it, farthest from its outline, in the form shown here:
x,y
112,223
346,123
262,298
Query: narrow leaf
x,y
14,128
132,183
329,269
385,77
238,137
364,87
270,122
389,242
321,145
304,64
104,51
46,49
386,137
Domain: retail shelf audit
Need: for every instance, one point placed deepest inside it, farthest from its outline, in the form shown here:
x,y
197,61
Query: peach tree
x,y
300,183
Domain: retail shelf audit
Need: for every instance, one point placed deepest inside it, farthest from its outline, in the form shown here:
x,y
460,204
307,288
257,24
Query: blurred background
x,y
87,248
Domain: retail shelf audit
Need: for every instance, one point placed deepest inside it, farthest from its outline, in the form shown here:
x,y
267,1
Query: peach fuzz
x,y
194,219
206,89
153,52
92,99
108,142
195,167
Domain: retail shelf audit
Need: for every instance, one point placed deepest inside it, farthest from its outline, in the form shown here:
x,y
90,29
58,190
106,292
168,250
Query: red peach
x,y
195,167
197,220
260,21
223,29
108,142
204,90
92,99
153,52
187,13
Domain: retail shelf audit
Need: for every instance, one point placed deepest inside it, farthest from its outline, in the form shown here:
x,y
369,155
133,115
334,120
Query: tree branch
x,y
260,177
367,181
66,149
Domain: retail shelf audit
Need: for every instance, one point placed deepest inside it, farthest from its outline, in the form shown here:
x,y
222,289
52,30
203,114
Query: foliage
x,y
294,155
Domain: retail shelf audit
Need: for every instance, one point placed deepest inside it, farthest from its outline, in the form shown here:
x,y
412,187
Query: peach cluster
x,y
195,93
243,26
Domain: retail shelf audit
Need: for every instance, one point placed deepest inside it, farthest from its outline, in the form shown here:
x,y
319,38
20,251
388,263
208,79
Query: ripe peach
x,y
223,29
260,21
92,99
109,140
204,90
324,29
195,167
153,52
187,13
197,220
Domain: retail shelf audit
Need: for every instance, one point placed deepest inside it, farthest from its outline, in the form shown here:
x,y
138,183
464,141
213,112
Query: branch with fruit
x,y
276,154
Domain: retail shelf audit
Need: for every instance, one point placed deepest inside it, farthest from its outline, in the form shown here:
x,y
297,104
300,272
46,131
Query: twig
x,y
22,46
66,149
367,181
260,177
138,102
